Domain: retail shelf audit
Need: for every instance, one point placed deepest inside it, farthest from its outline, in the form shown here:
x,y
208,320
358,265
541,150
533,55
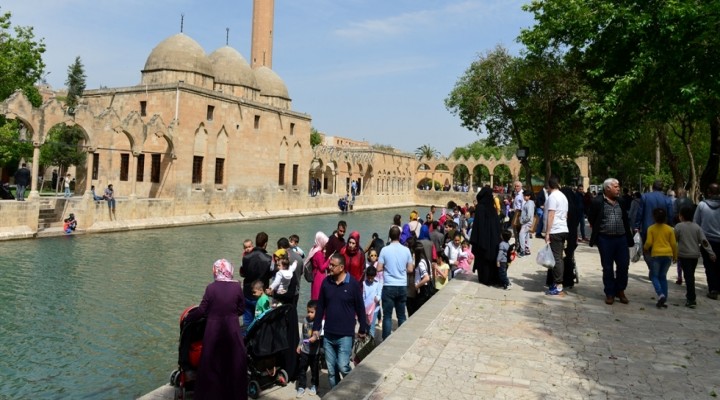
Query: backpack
x,y
511,254
308,271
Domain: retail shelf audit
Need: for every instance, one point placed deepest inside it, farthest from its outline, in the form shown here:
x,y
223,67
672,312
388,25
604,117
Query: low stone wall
x,y
19,220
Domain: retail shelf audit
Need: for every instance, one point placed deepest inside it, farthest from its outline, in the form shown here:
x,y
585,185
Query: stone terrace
x,y
475,342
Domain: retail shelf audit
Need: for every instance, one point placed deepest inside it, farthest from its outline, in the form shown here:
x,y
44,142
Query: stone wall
x,y
18,219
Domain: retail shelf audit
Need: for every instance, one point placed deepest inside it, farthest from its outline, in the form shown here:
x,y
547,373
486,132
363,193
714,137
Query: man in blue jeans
x,y
395,261
611,233
341,303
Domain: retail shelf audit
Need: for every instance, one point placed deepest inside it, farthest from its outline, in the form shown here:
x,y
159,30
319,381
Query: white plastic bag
x,y
637,249
545,257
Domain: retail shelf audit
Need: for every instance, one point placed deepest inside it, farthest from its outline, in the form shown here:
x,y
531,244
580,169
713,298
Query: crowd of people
x,y
356,289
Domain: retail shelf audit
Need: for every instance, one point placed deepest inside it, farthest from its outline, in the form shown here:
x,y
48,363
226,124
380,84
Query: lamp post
x,y
641,169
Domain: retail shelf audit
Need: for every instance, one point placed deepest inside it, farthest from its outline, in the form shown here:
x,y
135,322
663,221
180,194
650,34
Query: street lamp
x,y
522,153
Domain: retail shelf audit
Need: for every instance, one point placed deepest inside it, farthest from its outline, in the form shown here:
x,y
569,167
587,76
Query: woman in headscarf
x,y
485,238
354,257
222,373
319,261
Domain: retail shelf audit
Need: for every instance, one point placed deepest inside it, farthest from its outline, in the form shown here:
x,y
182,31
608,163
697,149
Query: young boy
x,y
689,236
372,293
247,247
502,259
294,245
263,301
308,354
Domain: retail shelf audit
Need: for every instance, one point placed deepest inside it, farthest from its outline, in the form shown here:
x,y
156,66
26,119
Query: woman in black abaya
x,y
485,238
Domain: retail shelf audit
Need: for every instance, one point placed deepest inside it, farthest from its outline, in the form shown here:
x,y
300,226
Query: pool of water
x,y
96,316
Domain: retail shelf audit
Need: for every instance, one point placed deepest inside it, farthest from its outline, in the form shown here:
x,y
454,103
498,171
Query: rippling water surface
x,y
96,316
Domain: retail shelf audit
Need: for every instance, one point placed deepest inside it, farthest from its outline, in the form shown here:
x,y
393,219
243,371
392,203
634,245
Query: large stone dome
x,y
229,67
179,53
270,83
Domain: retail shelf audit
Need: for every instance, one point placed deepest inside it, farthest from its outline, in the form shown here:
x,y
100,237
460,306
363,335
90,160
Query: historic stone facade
x,y
205,137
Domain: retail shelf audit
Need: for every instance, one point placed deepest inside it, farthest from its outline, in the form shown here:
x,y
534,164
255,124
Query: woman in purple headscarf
x,y
485,238
222,373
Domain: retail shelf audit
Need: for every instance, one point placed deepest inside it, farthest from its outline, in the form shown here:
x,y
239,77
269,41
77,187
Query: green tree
x,y
480,148
646,62
21,63
75,84
63,147
315,137
21,66
12,149
427,152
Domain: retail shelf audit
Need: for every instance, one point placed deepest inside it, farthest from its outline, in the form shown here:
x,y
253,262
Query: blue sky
x,y
377,70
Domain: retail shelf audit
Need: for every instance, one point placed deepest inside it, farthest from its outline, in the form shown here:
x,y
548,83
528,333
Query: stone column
x,y
34,194
492,184
90,166
334,177
133,174
321,186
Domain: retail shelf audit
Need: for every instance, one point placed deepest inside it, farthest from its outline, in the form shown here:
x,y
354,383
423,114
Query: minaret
x,y
262,33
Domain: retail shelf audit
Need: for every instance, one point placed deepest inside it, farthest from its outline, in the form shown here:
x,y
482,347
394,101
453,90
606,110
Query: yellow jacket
x,y
661,239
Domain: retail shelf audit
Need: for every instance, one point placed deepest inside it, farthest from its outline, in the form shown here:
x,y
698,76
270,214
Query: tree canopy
x,y
648,63
21,64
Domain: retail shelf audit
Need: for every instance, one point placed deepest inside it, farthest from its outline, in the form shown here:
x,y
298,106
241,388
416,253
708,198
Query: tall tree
x,y
645,61
21,63
426,152
21,66
486,99
315,137
63,147
75,83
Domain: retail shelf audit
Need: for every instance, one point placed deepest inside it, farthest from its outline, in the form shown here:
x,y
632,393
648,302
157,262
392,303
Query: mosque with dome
x,y
212,136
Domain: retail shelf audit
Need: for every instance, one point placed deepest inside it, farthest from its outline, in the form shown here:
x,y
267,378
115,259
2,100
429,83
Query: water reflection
x,y
96,316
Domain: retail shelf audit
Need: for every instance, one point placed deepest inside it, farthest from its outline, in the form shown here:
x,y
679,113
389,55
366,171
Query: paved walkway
x,y
475,342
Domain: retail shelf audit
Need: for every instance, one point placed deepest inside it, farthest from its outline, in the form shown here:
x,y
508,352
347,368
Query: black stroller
x,y
192,329
5,193
270,342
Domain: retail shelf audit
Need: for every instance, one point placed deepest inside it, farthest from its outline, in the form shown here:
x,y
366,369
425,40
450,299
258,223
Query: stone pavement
x,y
475,342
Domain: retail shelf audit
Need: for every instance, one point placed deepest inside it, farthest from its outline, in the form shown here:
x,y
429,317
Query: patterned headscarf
x,y
223,270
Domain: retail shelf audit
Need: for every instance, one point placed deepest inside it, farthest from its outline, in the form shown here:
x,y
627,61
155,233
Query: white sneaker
x,y
300,393
313,390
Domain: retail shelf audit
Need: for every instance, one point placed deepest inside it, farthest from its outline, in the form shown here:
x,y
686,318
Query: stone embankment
x,y
475,342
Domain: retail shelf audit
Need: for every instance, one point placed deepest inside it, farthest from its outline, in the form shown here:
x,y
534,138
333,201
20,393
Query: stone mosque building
x,y
205,137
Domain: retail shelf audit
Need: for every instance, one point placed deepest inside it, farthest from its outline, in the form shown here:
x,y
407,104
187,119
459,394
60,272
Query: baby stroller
x,y
270,342
192,330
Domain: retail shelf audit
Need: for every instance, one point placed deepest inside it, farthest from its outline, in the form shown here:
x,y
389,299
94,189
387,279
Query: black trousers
x,y
310,360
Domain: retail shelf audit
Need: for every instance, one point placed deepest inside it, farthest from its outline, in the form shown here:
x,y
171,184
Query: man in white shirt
x,y
517,206
556,210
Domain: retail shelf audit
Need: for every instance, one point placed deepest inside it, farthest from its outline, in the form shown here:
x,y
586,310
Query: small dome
x,y
230,67
270,83
179,53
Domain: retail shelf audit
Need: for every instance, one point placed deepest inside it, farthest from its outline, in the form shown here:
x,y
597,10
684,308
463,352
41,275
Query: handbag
x,y
516,219
428,290
637,249
362,348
